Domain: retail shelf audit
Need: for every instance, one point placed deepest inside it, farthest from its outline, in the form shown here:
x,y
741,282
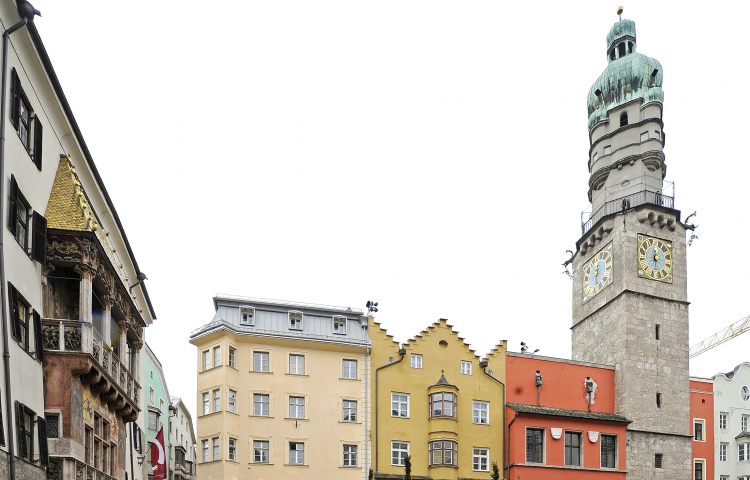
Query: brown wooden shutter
x,y
23,449
39,238
15,87
38,336
38,142
12,204
41,428
13,308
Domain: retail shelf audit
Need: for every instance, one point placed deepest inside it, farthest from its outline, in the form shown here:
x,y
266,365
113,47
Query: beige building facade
x,y
283,391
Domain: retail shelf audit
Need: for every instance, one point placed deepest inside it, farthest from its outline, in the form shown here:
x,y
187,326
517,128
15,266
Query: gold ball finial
x,y
619,10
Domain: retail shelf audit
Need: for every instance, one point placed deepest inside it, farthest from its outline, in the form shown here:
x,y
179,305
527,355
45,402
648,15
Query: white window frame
x,y
296,369
596,157
206,359
723,447
702,461
702,423
216,445
340,319
206,451
155,416
743,449
400,403
214,351
247,311
416,360
289,450
232,449
476,454
474,410
206,402
216,398
232,357
268,361
151,395
301,320
644,137
607,150
723,420
351,455
232,401
346,373
267,449
346,405
743,422
297,407
400,450
260,403
465,367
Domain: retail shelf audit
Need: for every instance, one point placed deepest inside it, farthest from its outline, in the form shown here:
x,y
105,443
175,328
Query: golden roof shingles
x,y
68,208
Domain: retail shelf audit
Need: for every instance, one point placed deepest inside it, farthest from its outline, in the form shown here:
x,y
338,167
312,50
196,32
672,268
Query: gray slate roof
x,y
564,412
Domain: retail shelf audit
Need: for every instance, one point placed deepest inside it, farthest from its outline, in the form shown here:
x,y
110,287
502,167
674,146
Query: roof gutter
x,y
44,57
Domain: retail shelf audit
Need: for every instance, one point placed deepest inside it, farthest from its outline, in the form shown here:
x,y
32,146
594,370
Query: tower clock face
x,y
597,273
654,258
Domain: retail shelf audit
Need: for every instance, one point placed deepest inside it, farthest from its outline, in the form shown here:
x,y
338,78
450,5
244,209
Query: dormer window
x,y
339,325
247,316
295,320
443,404
624,119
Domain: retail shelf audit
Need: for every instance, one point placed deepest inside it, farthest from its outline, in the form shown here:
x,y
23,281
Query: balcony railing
x,y
626,203
66,336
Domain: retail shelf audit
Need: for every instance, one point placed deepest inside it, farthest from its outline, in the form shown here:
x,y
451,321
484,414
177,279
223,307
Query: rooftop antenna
x,y
619,11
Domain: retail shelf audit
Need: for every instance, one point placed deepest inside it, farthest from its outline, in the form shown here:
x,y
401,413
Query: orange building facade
x,y
551,431
702,422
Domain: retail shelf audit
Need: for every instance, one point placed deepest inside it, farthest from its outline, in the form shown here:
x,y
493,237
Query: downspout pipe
x,y
509,425
402,352
3,309
484,364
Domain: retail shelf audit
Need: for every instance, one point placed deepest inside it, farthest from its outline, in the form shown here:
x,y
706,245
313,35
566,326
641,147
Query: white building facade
x,y
732,423
182,441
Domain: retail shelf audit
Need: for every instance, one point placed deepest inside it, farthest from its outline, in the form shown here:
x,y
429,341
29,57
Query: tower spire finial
x,y
619,11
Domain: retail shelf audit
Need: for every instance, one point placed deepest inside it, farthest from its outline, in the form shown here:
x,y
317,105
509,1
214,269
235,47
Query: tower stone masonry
x,y
630,308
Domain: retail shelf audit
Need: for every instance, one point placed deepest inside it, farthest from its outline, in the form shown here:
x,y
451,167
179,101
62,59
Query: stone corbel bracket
x,y
597,236
654,218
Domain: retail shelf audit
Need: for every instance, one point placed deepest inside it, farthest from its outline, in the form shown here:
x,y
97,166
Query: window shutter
x,y
22,447
15,86
13,300
38,336
39,238
41,428
38,142
12,204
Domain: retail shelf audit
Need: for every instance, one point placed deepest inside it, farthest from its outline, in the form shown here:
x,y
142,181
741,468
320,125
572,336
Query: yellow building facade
x,y
283,392
436,400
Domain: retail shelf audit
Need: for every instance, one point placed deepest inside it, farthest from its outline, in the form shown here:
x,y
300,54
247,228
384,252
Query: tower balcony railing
x,y
625,203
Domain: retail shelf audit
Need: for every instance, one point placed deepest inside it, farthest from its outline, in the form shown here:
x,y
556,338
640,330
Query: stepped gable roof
x,y
442,322
564,412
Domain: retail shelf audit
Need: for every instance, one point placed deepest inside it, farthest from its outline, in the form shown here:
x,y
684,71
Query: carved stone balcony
x,y
95,363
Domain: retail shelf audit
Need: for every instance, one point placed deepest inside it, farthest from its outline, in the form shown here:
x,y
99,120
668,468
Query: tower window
x,y
644,136
653,77
658,331
624,119
658,400
621,50
608,150
612,54
658,460
630,47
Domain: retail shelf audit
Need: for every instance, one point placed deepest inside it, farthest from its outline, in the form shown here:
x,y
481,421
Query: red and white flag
x,y
158,458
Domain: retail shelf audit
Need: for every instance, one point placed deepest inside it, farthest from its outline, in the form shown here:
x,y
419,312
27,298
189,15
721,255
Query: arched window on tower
x,y
612,54
630,47
653,77
624,119
621,50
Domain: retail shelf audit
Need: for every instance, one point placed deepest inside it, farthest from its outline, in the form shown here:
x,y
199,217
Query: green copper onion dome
x,y
628,76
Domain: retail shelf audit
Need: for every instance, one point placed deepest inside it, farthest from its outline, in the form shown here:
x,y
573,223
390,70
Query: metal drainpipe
x,y
484,369
132,433
508,447
368,400
4,319
402,352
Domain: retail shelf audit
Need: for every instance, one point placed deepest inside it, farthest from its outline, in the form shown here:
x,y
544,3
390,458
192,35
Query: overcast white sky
x,y
429,155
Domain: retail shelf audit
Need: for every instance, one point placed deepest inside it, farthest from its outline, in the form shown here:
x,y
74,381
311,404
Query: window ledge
x,y
298,374
444,418
349,379
209,414
259,463
351,423
233,413
209,370
260,416
349,466
256,371
568,467
452,466
481,424
297,419
233,368
295,465
210,461
402,418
